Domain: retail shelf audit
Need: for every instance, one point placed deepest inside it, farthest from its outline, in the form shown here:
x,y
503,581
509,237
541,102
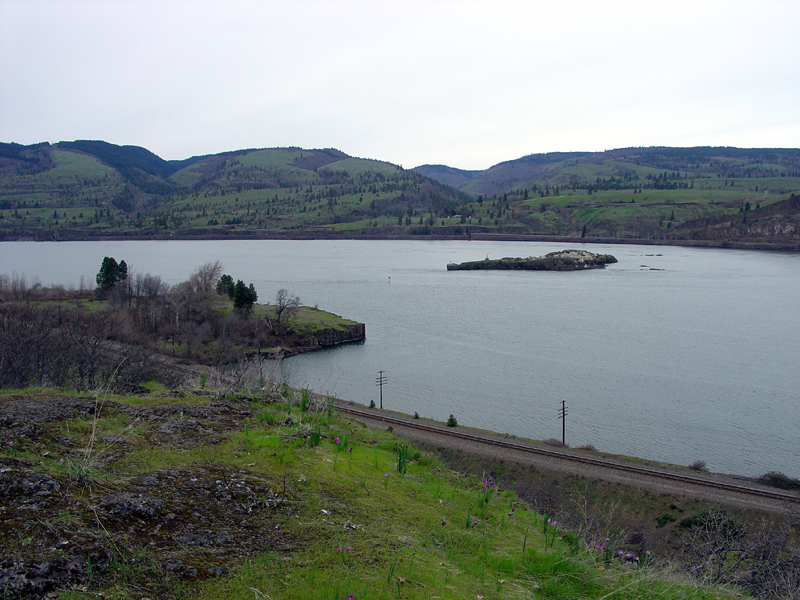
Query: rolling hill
x,y
718,195
93,189
89,189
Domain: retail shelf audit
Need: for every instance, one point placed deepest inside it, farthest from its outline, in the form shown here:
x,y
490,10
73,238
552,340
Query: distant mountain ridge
x,y
86,189
552,168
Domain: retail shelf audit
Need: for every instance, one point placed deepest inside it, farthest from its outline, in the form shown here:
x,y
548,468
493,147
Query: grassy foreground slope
x,y
90,189
272,494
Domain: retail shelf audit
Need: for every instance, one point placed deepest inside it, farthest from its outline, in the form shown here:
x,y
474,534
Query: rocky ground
x,y
564,260
66,524
139,497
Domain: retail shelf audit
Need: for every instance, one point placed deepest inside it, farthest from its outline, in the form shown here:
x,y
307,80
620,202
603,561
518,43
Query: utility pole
x,y
380,381
562,414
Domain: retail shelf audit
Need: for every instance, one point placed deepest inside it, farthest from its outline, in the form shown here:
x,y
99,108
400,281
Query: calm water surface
x,y
673,354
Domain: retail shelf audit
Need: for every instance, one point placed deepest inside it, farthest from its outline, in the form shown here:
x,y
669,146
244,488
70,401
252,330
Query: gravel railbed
x,y
554,464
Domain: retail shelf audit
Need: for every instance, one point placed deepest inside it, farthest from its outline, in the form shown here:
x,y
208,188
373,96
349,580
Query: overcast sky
x,y
467,84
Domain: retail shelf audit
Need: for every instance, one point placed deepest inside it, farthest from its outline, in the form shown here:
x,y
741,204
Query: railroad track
x,y
375,415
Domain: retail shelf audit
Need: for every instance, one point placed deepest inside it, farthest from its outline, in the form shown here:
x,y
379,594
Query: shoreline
x,y
477,237
654,475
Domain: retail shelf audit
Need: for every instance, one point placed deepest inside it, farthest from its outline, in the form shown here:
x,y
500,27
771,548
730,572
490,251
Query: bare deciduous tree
x,y
204,279
285,303
54,345
722,551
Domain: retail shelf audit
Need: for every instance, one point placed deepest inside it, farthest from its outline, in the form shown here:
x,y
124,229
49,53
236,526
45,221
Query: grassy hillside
x,y
86,189
651,193
272,494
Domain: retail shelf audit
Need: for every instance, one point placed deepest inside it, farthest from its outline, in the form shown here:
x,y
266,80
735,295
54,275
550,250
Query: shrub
x,y
589,447
779,480
664,519
315,437
451,421
555,442
698,465
704,517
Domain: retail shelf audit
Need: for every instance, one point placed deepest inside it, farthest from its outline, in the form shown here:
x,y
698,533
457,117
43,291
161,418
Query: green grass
x,y
359,166
263,191
365,530
154,387
75,164
353,523
306,319
274,158
187,176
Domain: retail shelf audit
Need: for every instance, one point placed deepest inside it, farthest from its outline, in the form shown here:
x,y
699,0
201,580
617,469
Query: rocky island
x,y
564,260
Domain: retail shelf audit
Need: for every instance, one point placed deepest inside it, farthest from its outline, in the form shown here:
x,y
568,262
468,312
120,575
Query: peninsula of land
x,y
564,260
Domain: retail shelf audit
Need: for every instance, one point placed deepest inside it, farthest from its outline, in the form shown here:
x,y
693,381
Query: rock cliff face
x,y
324,338
565,260
776,224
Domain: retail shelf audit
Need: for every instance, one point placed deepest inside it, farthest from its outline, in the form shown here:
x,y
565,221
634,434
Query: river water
x,y
673,354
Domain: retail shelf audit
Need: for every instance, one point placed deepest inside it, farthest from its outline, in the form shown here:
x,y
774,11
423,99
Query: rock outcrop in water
x,y
564,260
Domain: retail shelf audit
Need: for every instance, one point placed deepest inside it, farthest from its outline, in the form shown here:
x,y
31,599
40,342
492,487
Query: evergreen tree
x,y
110,274
225,285
244,297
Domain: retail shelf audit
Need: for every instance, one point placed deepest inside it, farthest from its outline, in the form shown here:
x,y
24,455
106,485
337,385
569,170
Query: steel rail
x,y
585,460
